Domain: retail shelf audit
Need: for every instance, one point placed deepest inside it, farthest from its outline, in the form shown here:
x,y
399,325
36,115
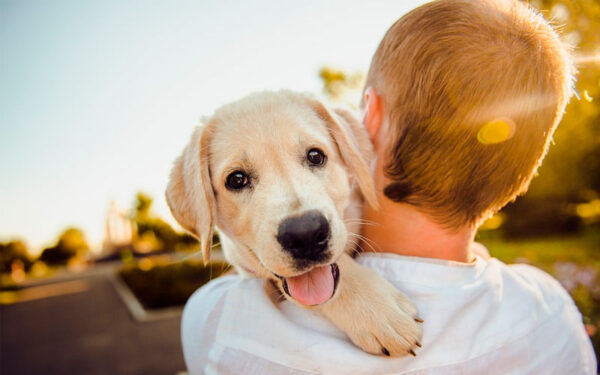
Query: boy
x,y
461,102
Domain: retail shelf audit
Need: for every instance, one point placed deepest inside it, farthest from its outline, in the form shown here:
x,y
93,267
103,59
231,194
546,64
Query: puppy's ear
x,y
189,194
354,146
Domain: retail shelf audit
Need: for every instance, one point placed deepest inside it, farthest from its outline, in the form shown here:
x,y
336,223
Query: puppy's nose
x,y
306,236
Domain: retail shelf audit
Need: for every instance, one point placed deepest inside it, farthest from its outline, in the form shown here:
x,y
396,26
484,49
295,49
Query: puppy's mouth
x,y
314,287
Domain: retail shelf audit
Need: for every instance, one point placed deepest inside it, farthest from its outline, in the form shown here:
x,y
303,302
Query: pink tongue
x,y
313,287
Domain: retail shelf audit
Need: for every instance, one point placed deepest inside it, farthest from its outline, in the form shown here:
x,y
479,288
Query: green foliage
x,y
166,285
339,85
158,233
570,173
14,251
143,203
571,169
537,216
70,244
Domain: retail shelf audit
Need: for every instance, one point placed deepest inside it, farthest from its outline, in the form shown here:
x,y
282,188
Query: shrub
x,y
531,217
14,251
70,244
163,285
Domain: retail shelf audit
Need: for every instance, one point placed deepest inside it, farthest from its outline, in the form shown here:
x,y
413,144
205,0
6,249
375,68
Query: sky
x,y
97,98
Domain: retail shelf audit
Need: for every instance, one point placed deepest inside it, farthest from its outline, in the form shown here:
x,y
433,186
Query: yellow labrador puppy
x,y
276,174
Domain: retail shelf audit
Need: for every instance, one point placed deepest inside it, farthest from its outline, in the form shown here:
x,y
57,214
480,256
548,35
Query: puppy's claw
x,y
385,352
412,352
418,344
419,320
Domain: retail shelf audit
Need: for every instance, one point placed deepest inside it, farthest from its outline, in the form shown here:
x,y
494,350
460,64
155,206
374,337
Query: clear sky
x,y
97,98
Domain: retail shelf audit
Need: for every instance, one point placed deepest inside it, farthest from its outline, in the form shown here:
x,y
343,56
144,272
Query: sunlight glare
x,y
496,131
588,59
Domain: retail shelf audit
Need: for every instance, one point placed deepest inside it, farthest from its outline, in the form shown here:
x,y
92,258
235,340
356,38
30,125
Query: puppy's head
x,y
273,172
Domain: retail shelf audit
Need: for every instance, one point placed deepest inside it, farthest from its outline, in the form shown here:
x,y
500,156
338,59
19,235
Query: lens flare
x,y
593,58
496,131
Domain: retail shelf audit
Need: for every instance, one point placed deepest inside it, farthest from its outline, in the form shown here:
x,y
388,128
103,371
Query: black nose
x,y
305,236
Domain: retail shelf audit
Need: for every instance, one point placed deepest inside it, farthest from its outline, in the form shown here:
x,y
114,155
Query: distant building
x,y
119,229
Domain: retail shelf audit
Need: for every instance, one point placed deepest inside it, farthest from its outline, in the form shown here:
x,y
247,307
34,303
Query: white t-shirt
x,y
480,318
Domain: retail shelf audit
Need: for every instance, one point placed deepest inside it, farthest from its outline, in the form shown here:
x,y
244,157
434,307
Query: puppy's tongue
x,y
312,288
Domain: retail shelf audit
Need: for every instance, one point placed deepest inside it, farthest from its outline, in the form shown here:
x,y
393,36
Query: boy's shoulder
x,y
215,289
203,315
535,281
212,296
557,327
523,281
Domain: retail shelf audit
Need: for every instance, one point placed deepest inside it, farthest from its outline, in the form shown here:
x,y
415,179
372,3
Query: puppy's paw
x,y
392,327
374,314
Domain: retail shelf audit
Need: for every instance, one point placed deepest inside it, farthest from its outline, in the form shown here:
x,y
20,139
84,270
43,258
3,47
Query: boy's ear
x,y
189,194
373,116
355,148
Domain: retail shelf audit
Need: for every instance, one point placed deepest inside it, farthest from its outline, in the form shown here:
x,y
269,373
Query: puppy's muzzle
x,y
306,237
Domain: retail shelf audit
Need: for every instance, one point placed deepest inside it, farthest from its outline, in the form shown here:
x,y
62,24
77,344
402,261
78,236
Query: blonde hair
x,y
473,91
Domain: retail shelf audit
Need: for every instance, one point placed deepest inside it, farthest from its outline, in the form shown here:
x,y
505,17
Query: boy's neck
x,y
401,229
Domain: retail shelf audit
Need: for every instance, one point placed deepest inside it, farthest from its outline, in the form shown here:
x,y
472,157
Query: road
x,y
82,326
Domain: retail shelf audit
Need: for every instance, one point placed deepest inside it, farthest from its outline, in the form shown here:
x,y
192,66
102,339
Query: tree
x,y
14,251
155,230
341,86
70,244
143,202
571,170
570,174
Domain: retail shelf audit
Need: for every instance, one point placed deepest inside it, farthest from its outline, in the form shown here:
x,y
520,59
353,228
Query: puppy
x,y
283,179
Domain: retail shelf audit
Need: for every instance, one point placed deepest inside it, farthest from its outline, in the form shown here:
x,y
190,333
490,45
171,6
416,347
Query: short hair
x,y
472,92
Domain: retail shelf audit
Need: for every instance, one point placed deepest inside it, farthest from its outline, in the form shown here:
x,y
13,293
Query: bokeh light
x,y
496,131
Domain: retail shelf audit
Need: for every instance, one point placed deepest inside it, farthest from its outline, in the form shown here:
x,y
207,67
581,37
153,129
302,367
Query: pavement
x,y
80,325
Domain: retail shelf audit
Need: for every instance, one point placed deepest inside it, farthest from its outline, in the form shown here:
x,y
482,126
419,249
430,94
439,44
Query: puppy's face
x,y
280,184
273,172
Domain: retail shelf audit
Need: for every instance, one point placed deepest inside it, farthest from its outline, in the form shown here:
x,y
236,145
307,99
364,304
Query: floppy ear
x,y
354,145
189,194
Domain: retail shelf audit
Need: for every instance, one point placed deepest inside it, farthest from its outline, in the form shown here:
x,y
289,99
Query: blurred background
x,y
99,97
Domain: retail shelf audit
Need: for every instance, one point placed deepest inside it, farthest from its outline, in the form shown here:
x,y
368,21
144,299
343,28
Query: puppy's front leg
x,y
373,313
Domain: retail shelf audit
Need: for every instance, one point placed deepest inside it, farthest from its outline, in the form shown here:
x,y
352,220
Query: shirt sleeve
x,y
200,320
574,353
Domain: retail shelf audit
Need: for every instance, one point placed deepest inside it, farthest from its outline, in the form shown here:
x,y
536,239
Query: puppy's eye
x,y
315,157
237,180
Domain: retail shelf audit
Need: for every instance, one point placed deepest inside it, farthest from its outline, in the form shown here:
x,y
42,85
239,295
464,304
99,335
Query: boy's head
x,y
471,92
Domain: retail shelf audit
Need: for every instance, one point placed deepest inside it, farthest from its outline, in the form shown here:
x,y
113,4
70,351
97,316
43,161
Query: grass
x,y
545,252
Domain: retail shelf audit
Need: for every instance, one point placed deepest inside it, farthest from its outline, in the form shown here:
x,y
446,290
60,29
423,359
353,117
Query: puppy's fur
x,y
267,136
